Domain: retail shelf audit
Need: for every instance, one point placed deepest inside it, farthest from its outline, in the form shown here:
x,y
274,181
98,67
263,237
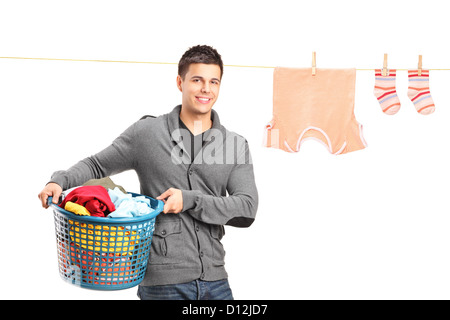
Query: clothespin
x,y
314,63
384,72
420,65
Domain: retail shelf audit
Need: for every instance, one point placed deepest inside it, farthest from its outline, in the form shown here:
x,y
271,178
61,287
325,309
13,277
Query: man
x,y
191,162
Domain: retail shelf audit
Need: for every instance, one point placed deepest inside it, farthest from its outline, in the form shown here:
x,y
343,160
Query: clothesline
x,y
175,63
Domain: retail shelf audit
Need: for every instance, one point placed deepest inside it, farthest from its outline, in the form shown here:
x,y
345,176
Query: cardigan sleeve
x,y
238,209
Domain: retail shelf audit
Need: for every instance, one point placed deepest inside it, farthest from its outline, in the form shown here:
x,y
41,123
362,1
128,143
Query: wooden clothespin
x,y
384,72
314,63
420,66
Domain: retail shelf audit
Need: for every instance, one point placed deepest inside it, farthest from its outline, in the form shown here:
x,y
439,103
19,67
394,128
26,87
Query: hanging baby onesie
x,y
316,107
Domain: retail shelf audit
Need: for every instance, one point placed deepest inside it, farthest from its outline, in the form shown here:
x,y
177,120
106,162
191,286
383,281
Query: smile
x,y
203,99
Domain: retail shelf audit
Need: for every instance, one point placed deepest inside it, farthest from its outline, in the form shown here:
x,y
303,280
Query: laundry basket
x,y
104,253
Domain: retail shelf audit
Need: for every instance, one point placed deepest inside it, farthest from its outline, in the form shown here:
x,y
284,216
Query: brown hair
x,y
199,54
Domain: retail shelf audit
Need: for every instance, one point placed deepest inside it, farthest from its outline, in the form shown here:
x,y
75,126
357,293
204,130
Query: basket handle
x,y
49,201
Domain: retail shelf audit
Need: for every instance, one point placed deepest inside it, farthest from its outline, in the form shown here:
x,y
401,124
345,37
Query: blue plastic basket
x,y
104,253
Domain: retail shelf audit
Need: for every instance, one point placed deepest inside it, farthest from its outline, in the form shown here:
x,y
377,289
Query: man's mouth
x,y
203,99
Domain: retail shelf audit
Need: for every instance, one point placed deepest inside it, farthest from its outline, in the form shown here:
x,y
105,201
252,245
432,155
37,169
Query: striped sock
x,y
385,91
419,91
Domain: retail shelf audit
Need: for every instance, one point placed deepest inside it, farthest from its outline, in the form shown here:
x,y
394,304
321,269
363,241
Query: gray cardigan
x,y
218,189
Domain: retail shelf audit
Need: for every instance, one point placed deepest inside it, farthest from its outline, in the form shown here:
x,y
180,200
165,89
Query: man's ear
x,y
179,81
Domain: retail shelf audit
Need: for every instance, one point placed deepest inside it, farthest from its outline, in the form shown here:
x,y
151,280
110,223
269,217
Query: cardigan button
x,y
191,171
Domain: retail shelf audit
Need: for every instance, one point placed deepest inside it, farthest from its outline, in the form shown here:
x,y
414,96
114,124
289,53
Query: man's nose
x,y
206,88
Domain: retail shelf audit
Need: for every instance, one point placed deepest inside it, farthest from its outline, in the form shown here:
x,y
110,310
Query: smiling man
x,y
179,157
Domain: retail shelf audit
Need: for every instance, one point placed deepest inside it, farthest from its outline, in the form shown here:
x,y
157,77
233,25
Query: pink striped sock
x,y
385,91
419,91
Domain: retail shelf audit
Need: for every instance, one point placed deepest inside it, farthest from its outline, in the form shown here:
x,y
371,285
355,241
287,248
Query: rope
x,y
174,63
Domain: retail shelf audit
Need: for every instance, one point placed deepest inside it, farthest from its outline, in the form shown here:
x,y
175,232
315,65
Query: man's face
x,y
200,88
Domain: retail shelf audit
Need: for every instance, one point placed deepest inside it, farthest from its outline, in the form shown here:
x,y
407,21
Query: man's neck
x,y
196,124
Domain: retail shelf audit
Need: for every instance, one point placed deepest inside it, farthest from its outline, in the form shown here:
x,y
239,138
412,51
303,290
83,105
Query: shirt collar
x,y
173,122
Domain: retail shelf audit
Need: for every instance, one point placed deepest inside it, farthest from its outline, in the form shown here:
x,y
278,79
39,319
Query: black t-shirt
x,y
192,143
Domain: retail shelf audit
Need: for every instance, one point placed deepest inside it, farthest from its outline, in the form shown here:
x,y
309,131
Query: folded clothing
x,y
95,199
128,206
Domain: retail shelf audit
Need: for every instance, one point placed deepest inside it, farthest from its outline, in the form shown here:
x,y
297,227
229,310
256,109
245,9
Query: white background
x,y
371,224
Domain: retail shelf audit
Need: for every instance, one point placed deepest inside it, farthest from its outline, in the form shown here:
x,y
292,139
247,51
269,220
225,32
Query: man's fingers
x,y
168,207
171,200
43,196
164,195
56,196
50,190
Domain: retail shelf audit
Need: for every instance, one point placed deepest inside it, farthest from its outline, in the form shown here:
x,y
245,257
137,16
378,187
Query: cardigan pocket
x,y
218,256
167,243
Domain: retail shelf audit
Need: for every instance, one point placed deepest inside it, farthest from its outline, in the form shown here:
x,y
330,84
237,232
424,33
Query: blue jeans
x,y
194,290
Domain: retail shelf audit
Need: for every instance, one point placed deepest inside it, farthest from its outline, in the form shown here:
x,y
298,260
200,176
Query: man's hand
x,y
50,190
173,200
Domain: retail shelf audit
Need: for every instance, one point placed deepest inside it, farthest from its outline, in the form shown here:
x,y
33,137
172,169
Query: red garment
x,y
94,198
